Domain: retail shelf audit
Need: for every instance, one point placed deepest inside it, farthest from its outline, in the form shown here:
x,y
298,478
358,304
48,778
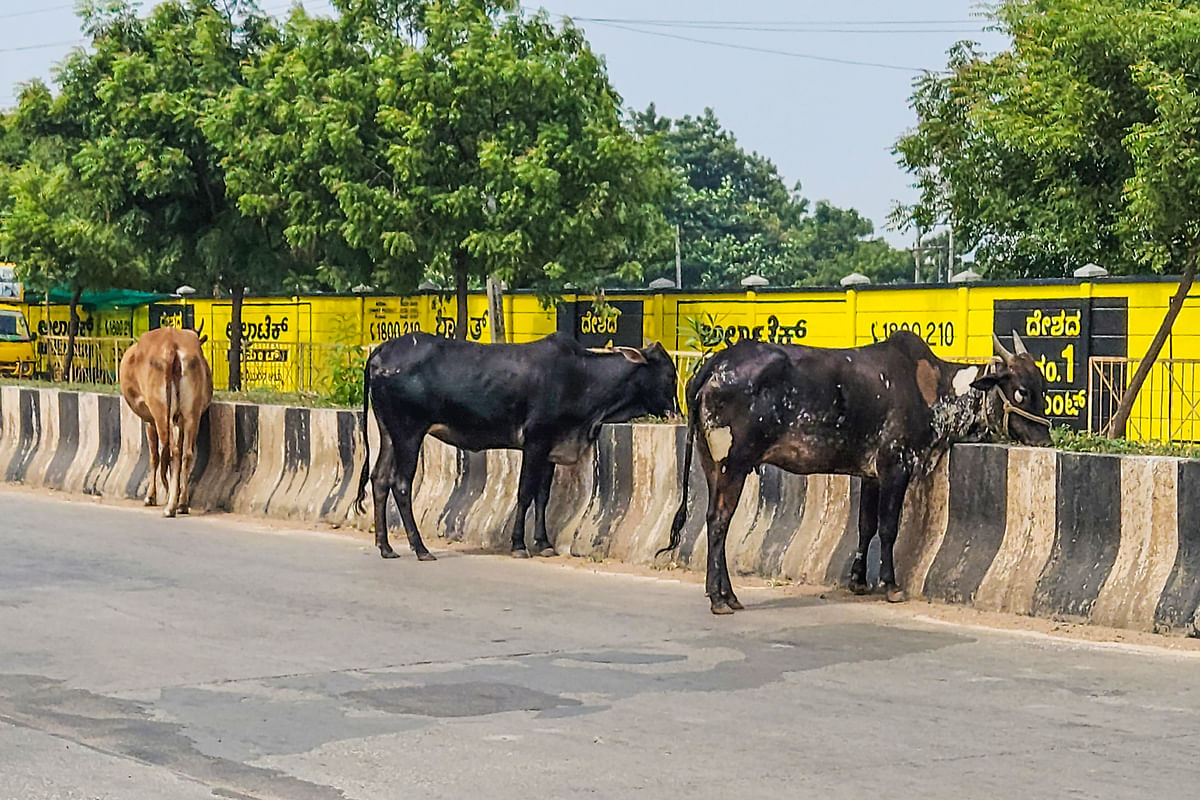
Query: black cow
x,y
879,412
547,398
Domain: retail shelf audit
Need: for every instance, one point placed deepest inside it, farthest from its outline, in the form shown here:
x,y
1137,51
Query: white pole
x,y
678,262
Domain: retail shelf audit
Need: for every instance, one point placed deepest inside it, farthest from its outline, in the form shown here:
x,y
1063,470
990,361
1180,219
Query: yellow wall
x,y
956,322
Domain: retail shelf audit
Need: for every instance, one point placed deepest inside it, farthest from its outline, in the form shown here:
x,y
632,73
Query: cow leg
x,y
382,477
541,539
723,501
175,446
185,470
394,470
534,465
868,523
891,501
406,451
152,441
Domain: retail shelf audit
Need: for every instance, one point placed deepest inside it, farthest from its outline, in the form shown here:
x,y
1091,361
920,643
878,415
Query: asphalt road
x,y
211,657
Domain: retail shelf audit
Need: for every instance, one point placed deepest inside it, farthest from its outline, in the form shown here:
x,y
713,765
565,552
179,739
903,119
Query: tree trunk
x,y
238,293
1116,426
72,331
460,293
495,296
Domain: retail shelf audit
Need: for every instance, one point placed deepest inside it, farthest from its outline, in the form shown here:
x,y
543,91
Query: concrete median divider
x,y
1090,538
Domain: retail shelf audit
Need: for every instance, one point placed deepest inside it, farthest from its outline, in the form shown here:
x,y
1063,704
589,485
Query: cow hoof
x,y
547,551
389,553
426,557
169,513
721,608
151,502
734,603
896,595
183,510
521,553
859,587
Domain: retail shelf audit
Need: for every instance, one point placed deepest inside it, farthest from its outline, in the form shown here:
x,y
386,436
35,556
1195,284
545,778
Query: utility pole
x,y
495,298
678,262
917,255
950,253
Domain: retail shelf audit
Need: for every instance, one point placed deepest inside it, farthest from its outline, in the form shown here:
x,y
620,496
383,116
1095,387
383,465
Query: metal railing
x,y
281,366
301,367
1167,408
686,364
96,358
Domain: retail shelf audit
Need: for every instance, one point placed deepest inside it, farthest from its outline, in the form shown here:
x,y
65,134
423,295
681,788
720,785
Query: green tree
x,y
735,216
61,232
448,139
1079,143
128,116
833,242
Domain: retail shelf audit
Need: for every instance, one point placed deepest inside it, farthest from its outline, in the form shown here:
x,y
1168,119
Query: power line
x,y
796,26
773,29
767,50
32,11
724,23
42,46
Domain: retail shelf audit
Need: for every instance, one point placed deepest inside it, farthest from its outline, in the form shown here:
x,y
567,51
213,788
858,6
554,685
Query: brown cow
x,y
167,382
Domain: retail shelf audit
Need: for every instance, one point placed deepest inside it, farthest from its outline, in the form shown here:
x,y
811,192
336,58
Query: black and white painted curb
x,y
1106,539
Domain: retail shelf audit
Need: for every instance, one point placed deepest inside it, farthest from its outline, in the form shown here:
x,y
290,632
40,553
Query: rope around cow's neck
x,y
1009,410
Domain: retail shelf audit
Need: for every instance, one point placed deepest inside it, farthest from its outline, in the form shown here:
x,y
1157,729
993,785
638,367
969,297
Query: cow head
x,y
1014,394
651,385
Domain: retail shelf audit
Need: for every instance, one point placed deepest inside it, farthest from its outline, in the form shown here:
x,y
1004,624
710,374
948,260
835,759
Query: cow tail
x,y
175,411
681,512
366,467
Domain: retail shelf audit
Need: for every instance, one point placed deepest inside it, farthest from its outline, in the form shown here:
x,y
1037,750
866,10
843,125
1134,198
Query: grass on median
x,y
257,396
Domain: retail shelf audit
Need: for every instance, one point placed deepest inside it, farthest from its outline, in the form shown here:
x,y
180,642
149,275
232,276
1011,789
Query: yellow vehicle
x,y
17,358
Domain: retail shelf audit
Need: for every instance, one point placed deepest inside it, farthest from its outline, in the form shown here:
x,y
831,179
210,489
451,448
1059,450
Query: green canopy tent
x,y
109,298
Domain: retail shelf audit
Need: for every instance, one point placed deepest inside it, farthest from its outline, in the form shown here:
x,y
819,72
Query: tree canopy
x,y
445,140
735,217
1077,144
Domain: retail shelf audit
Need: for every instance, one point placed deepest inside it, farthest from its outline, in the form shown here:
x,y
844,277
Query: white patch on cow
x,y
719,442
963,380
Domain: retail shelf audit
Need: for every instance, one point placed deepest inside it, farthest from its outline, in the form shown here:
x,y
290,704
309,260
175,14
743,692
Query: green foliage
x,y
447,139
1077,144
735,217
121,186
1081,442
345,381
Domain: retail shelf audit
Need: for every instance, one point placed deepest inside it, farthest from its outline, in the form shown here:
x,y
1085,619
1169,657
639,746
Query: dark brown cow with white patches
x,y
879,412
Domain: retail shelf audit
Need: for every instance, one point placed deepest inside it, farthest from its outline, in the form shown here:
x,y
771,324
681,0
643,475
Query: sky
x,y
821,89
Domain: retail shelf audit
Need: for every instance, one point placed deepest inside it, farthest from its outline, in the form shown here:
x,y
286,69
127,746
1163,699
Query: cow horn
x,y
1018,345
1000,349
200,329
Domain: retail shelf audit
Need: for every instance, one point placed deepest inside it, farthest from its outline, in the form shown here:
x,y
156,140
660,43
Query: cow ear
x,y
632,354
989,381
